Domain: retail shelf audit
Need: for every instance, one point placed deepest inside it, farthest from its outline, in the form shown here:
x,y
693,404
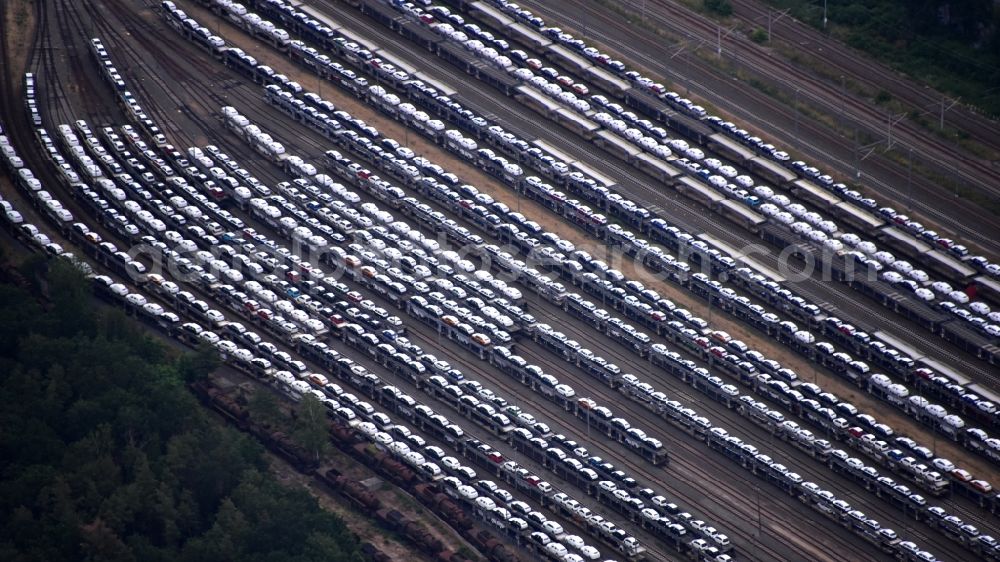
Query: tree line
x,y
104,454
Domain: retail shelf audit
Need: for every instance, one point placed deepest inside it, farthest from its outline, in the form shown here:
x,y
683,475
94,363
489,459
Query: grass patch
x,y
947,183
632,17
957,53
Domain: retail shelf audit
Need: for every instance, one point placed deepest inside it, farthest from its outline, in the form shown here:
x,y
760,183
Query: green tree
x,y
67,287
264,408
200,363
33,269
224,541
104,455
312,427
101,543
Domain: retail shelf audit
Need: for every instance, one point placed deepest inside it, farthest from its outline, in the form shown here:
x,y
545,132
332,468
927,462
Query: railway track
x,y
931,148
162,114
688,463
76,39
688,466
881,175
684,213
10,100
805,465
693,463
862,69
298,139
150,108
19,128
44,60
133,25
561,366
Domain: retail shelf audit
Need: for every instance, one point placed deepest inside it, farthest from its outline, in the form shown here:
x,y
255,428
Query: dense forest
x,y
953,45
104,454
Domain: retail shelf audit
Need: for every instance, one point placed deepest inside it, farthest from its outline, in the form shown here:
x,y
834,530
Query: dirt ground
x,y
18,30
553,223
359,523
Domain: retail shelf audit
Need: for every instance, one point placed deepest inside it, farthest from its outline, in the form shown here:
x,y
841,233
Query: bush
x,y
720,7
758,36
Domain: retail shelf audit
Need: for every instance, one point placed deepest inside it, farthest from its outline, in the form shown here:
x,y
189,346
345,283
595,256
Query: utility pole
x,y
771,20
719,41
893,119
858,157
682,52
843,97
687,74
824,14
909,180
796,108
943,108
857,162
888,141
